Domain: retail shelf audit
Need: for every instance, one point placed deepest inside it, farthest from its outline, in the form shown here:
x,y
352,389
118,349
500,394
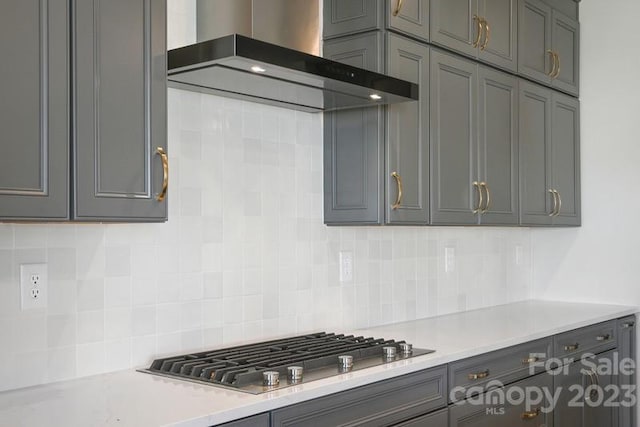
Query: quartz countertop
x,y
131,398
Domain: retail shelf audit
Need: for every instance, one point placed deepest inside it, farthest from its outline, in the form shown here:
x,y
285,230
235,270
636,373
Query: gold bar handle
x,y
530,360
553,63
571,347
487,203
478,375
529,415
398,178
555,202
398,8
487,34
476,185
559,202
478,21
165,174
557,73
605,337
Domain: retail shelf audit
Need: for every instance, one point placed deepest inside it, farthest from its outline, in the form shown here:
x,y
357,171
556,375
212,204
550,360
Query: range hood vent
x,y
241,67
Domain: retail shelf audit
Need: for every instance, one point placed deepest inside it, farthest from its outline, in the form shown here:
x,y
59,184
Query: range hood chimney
x,y
266,51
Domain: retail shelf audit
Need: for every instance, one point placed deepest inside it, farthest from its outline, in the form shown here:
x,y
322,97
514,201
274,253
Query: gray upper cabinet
x,y
34,109
410,17
353,144
549,157
548,48
474,151
120,110
342,17
407,137
482,29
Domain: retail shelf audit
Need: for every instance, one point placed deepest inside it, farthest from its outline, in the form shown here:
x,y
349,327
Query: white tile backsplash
x,y
244,255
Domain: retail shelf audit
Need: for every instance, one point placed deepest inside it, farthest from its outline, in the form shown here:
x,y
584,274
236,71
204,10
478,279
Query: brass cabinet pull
x,y
487,34
559,202
557,60
398,8
529,415
605,337
478,375
571,347
477,185
487,203
165,173
530,360
553,63
478,21
627,325
555,202
398,178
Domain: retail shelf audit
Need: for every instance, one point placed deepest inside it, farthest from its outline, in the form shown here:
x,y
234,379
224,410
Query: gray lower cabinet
x,y
407,136
34,110
474,148
627,381
548,46
353,144
584,393
385,403
119,110
482,29
549,157
499,407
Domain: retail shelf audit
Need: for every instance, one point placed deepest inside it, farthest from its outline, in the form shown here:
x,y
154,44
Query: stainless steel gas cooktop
x,y
271,365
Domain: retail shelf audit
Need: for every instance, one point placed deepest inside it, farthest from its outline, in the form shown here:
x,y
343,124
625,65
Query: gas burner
x,y
272,365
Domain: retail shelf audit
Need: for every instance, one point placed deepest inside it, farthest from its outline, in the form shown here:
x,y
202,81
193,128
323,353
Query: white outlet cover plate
x,y
27,286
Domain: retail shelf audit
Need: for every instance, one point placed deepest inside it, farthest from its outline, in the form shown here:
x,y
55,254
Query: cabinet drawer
x,y
379,404
506,365
494,408
591,339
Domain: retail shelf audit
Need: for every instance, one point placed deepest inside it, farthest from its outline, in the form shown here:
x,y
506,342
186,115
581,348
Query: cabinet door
x,y
499,45
596,412
34,109
437,419
407,139
493,409
341,17
565,158
410,17
534,40
534,129
454,84
498,145
566,42
353,145
453,25
120,109
627,350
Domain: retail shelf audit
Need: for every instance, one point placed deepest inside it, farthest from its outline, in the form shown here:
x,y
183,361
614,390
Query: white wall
x,y
600,262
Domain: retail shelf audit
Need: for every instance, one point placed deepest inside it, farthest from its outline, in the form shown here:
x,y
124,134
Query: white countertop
x,y
131,398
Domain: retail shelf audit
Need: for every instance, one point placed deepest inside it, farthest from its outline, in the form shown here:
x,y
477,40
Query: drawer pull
x,y
571,347
628,325
478,375
529,415
530,360
605,337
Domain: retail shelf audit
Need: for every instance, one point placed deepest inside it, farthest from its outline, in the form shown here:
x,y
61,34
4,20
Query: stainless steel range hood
x,y
241,66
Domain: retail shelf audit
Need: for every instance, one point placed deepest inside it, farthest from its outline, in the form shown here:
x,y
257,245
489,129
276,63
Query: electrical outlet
x,y
33,286
519,255
449,260
346,266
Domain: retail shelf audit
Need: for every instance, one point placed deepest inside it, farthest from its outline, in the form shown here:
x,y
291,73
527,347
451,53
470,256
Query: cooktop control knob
x,y
406,348
345,362
270,378
294,374
389,352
